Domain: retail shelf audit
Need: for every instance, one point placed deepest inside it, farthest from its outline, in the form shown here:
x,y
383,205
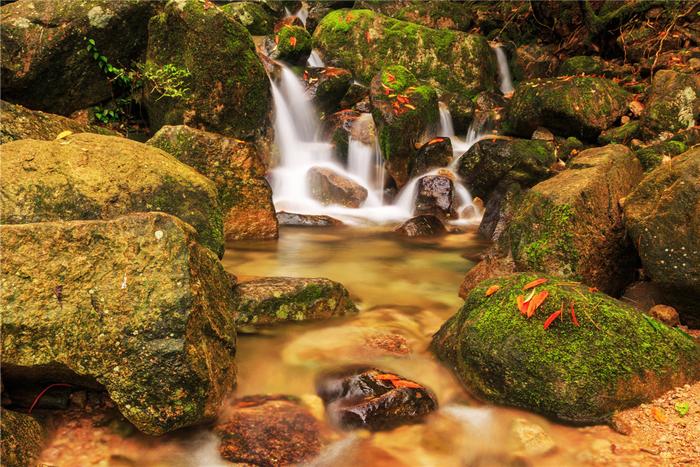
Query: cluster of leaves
x,y
117,74
169,80
400,101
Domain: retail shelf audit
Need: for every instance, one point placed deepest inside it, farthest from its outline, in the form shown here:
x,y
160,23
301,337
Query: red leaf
x,y
368,38
492,290
436,140
522,304
390,77
293,41
552,317
277,39
386,377
534,283
536,302
402,383
573,315
592,289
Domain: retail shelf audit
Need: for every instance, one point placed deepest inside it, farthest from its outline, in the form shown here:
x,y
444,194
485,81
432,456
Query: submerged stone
x,y
329,187
617,357
306,220
422,226
134,304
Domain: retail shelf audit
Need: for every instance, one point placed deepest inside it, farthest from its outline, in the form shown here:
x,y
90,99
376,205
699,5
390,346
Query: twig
x,y
41,394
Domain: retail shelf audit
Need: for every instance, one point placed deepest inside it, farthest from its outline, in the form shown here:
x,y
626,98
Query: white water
x,y
503,71
314,60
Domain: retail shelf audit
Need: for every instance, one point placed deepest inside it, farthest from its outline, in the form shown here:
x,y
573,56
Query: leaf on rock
x,y
492,290
536,301
552,317
659,415
535,283
402,383
63,134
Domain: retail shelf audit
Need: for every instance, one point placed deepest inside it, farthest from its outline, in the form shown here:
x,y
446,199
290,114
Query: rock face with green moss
x,y
651,156
233,165
274,300
257,19
673,102
580,106
571,224
327,86
615,358
134,304
292,44
460,65
403,110
87,176
431,13
22,439
226,91
663,217
46,65
17,122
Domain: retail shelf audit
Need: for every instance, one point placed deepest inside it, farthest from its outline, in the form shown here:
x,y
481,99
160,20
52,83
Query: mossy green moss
x,y
258,20
617,357
293,43
581,65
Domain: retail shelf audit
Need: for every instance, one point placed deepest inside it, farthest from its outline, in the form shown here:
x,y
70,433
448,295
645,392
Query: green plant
x,y
105,115
114,73
169,80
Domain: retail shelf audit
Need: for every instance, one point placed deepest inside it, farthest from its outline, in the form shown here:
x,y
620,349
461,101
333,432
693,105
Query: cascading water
x,y
503,71
314,60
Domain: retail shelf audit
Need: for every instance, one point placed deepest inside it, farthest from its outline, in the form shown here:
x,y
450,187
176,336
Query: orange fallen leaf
x,y
492,290
536,301
409,106
592,289
436,140
368,38
553,316
402,383
386,377
522,304
277,39
535,283
391,78
293,41
659,414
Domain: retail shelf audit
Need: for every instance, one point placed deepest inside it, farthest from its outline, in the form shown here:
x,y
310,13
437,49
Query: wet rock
x,y
673,102
235,167
329,187
662,215
542,134
532,439
652,154
581,65
257,19
580,106
327,86
403,111
666,314
434,154
492,265
357,397
422,226
87,176
567,372
17,122
571,224
134,303
288,21
534,61
337,128
642,295
291,44
45,63
22,439
499,210
622,134
355,93
268,431
271,300
227,90
435,197
306,220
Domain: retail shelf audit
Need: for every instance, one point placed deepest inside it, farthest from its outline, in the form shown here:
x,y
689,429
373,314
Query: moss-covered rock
x,y
233,165
435,14
22,439
491,161
257,19
293,45
616,358
272,300
327,86
580,106
663,217
434,154
581,65
134,303
226,91
87,176
673,102
459,65
571,224
533,61
46,65
17,122
403,110
622,134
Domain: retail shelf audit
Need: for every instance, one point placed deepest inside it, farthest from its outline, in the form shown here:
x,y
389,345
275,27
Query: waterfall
x,y
503,71
446,127
302,13
314,60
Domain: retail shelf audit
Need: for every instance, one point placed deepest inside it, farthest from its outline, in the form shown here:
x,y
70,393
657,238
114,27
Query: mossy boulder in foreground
x,y
87,176
235,167
273,300
617,357
134,304
22,439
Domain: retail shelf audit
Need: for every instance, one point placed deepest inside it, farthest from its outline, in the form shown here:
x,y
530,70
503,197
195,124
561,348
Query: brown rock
x,y
329,187
422,226
666,314
436,196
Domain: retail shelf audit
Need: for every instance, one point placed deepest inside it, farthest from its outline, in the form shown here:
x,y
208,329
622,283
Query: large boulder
x,y
271,300
403,111
17,122
22,439
436,14
134,304
330,187
87,176
434,154
46,64
571,224
460,65
436,196
226,89
602,357
234,166
327,86
579,106
673,102
663,217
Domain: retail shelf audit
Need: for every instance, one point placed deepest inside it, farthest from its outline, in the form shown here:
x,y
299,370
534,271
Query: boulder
x,y
356,92
235,167
268,431
622,134
257,19
435,14
582,65
662,216
666,314
17,122
87,176
571,224
46,64
327,86
373,399
306,220
329,187
226,88
337,128
134,304
460,65
499,210
652,154
492,161
272,300
422,226
436,196
580,106
292,44
403,111
673,102
615,358
434,154
22,439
